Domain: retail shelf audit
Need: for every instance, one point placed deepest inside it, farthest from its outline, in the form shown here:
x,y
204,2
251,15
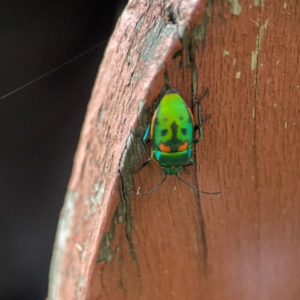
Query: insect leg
x,y
143,164
143,139
198,127
190,162
155,188
194,188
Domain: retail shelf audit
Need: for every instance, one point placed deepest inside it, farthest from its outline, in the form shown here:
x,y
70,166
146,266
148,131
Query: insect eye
x,y
164,132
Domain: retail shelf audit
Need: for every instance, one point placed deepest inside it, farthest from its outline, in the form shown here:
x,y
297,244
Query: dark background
x,y
40,125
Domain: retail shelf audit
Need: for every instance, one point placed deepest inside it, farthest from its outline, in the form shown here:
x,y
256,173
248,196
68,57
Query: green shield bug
x,y
172,134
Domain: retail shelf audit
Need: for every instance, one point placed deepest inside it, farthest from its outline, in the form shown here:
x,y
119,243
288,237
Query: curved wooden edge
x,y
132,73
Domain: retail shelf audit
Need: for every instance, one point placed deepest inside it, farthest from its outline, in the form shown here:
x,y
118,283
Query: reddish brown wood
x,y
176,243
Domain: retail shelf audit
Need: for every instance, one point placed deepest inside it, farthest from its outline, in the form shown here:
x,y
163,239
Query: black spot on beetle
x,y
183,131
164,132
174,142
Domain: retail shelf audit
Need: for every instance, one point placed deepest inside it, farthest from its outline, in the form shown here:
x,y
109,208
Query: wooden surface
x,y
176,243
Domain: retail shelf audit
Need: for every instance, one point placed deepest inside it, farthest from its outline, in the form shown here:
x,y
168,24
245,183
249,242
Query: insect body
x,y
172,134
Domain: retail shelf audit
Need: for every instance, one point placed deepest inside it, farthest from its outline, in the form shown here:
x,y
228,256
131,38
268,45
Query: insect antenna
x,y
155,188
194,188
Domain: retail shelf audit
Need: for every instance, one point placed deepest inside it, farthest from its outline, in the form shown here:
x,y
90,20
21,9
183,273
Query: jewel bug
x,y
172,134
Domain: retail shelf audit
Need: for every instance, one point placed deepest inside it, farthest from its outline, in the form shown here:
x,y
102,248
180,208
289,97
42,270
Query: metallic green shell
x,y
172,124
172,131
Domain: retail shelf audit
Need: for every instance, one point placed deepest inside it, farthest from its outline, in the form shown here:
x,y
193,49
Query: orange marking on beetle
x,y
183,147
164,148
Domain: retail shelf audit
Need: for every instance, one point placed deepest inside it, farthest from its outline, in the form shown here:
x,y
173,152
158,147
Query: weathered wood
x,y
176,243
